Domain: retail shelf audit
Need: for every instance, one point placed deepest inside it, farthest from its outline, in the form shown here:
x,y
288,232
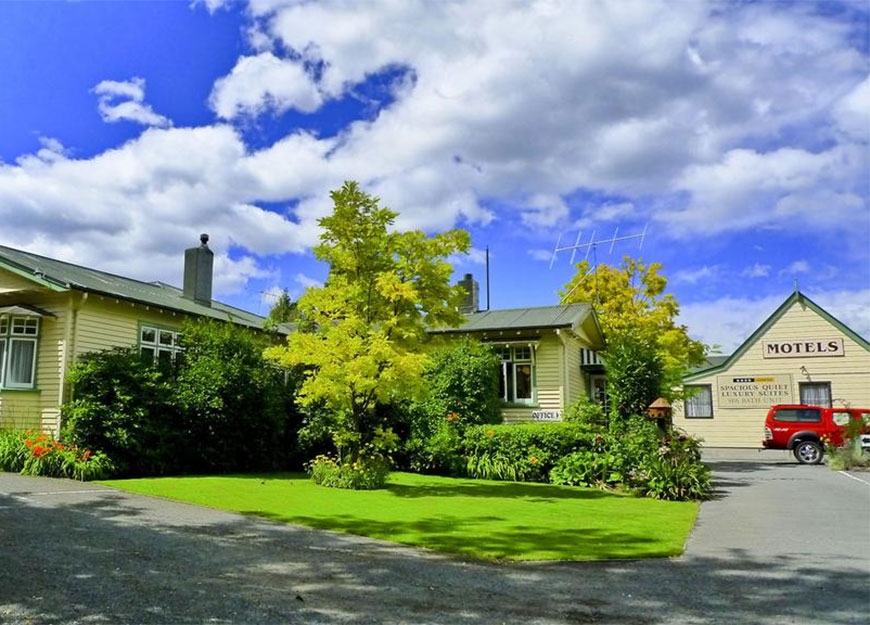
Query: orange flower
x,y
533,460
490,432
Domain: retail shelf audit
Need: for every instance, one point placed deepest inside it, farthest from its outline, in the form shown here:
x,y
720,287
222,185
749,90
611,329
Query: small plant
x,y
850,454
367,470
362,474
32,453
586,410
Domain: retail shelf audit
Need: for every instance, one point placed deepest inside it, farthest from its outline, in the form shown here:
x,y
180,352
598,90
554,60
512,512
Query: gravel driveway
x,y
782,544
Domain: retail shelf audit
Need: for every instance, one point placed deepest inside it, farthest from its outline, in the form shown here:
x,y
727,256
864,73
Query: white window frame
x,y
13,330
692,409
172,347
508,372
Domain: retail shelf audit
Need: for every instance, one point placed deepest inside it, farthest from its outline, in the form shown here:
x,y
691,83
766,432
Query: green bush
x,y
461,380
635,376
236,409
675,477
586,410
223,408
440,454
122,406
32,453
523,452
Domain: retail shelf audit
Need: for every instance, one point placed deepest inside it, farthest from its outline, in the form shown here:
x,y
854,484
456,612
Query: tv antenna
x,y
593,243
591,247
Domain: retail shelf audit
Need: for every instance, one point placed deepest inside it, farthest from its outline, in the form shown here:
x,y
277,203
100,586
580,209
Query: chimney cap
x,y
203,239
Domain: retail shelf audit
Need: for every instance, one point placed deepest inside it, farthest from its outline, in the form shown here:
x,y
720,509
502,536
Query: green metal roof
x,y
797,296
60,276
543,317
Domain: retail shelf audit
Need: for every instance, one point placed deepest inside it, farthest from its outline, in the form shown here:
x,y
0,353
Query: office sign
x,y
547,415
809,348
754,391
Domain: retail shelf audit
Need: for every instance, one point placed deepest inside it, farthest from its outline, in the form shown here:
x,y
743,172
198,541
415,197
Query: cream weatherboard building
x,y
51,312
548,356
800,355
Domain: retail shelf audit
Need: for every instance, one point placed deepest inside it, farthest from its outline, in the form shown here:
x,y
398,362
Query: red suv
x,y
805,429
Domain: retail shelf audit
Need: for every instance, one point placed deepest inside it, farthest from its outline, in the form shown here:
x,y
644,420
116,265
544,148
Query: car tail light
x,y
768,434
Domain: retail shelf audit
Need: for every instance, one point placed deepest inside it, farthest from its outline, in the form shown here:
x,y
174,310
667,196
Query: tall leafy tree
x,y
364,328
282,311
632,306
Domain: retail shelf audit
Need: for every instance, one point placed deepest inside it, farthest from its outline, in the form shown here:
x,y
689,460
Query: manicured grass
x,y
473,518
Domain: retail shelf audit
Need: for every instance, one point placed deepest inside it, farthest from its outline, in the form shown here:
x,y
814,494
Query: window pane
x,y
4,325
522,353
841,417
164,357
149,335
178,339
165,337
2,359
19,370
148,352
700,401
25,326
524,381
816,394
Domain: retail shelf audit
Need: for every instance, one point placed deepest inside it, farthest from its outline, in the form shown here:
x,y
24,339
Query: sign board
x,y
754,391
547,415
808,348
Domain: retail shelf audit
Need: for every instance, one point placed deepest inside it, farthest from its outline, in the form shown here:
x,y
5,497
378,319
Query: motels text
x,y
811,348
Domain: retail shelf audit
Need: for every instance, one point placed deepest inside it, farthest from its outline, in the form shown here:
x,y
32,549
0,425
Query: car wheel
x,y
808,452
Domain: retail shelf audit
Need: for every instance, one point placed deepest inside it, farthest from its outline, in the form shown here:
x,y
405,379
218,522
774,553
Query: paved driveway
x,y
783,544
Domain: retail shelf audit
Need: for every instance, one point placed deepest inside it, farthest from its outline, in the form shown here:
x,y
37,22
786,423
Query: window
x,y
160,344
516,384
816,394
18,337
699,401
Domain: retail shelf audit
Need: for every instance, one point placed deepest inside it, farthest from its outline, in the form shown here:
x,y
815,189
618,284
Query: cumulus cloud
x,y
264,83
728,321
717,120
125,101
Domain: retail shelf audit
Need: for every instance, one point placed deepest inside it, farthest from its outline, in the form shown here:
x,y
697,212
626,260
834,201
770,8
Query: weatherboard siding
x,y
849,376
576,384
105,323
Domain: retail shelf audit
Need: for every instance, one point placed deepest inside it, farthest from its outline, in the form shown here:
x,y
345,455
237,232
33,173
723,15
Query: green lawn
x,y
474,518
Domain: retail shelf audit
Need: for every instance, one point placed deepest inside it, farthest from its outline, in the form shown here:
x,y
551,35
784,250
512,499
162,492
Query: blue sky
x,y
735,134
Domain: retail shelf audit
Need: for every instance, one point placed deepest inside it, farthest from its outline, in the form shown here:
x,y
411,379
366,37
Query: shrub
x,y
676,478
441,453
235,408
462,379
122,406
363,474
635,376
523,452
586,410
32,453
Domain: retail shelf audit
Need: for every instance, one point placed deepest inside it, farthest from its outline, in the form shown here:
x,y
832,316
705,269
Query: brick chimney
x,y
198,267
471,301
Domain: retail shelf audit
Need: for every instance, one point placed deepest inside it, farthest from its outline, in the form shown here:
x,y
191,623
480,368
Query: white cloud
x,y
307,282
729,321
711,121
852,112
795,268
747,189
542,255
263,83
693,276
124,101
756,271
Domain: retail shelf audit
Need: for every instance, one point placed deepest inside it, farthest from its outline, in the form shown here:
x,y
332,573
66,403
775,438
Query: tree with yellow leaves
x,y
362,333
633,308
